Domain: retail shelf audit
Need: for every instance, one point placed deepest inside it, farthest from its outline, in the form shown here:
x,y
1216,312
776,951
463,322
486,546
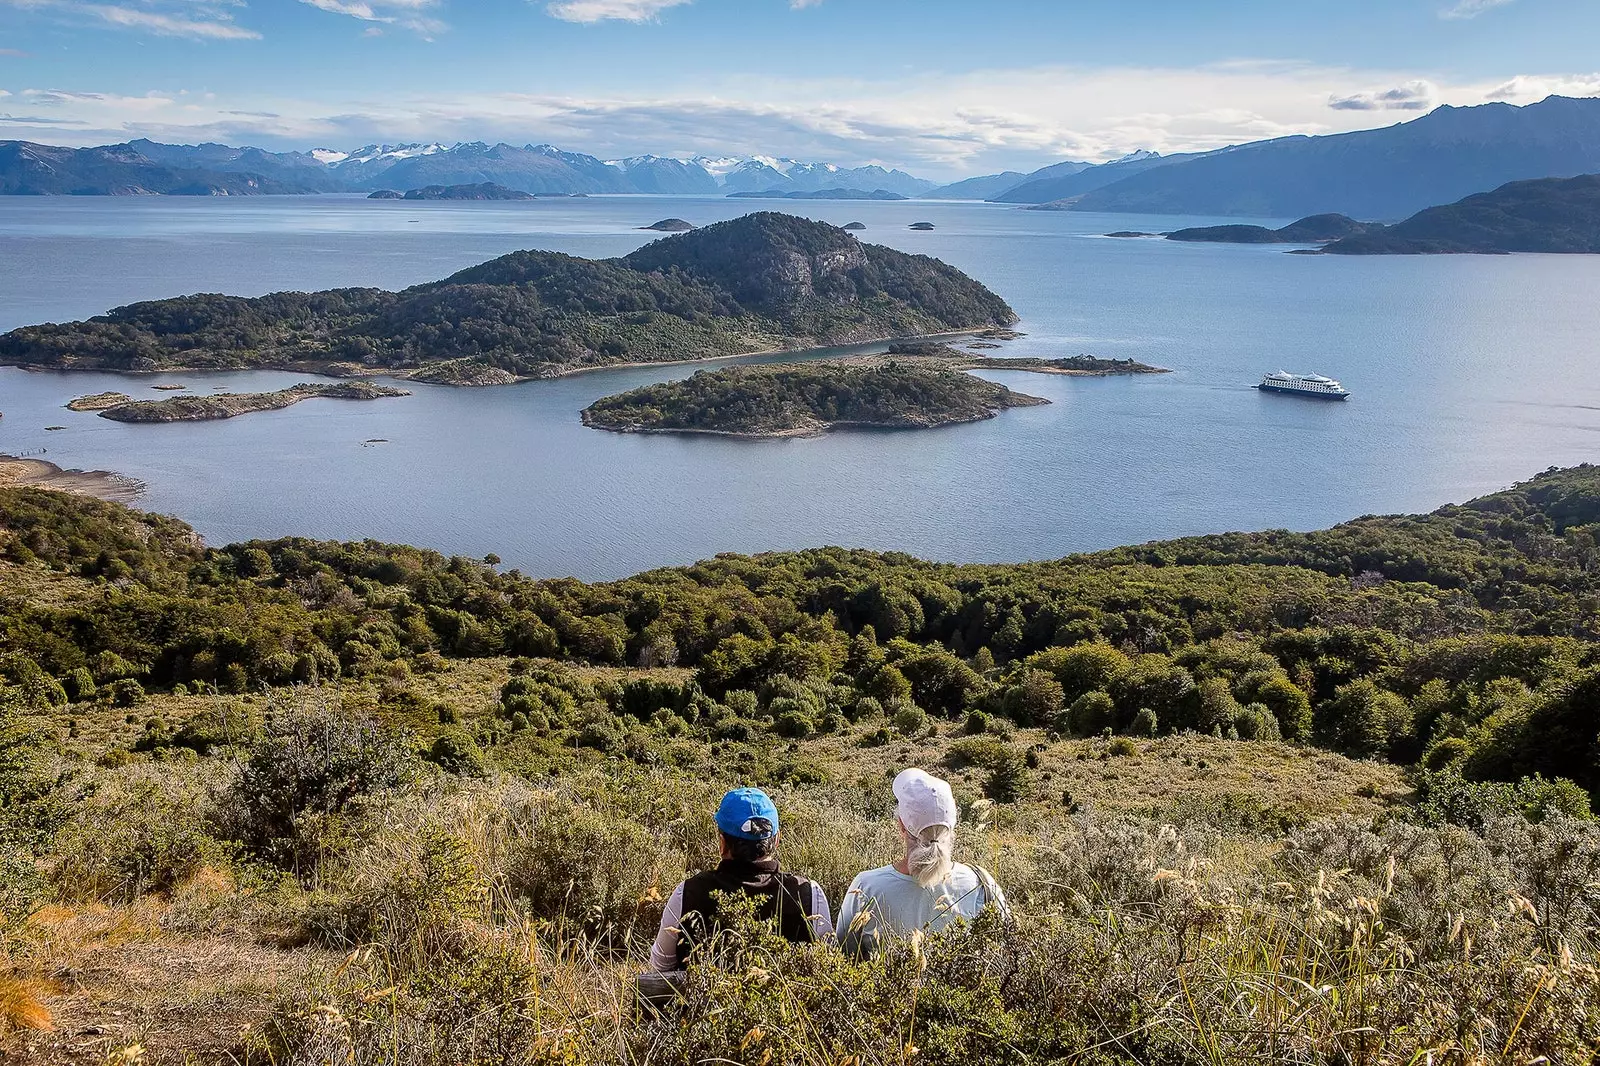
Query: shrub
x,y
1122,747
1035,698
141,830
1144,723
794,724
976,724
1008,777
310,766
125,693
455,751
909,719
866,707
1089,714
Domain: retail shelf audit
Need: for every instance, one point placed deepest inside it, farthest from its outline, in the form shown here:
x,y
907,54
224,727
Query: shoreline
x,y
17,472
325,367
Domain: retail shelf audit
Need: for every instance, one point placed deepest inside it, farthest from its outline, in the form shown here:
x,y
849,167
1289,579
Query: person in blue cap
x,y
747,823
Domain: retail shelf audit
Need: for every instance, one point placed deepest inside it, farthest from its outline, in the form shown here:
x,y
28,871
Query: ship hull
x,y
1307,393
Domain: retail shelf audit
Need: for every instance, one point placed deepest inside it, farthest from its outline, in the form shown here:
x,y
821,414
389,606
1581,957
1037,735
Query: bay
x,y
1468,373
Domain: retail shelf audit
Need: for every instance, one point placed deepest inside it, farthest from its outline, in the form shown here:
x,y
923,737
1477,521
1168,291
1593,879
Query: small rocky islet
x,y
213,408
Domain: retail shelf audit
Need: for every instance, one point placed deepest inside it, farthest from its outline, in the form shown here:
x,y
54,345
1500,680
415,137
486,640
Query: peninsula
x,y
211,408
933,353
1315,229
762,282
1559,215
807,399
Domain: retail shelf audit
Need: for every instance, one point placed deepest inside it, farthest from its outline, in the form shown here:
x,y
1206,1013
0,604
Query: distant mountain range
x,y
1384,173
1374,174
148,167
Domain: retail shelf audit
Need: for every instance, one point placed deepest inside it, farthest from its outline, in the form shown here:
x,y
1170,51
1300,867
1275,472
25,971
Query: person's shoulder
x,y
867,880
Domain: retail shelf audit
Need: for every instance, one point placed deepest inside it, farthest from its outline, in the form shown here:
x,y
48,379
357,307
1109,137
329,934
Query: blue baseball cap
x,y
748,813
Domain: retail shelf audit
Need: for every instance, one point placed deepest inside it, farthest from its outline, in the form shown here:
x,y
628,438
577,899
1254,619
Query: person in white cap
x,y
923,889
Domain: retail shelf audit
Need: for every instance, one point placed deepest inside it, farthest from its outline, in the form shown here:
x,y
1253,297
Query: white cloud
x,y
603,10
1471,9
1415,95
938,125
193,19
406,14
1526,88
220,28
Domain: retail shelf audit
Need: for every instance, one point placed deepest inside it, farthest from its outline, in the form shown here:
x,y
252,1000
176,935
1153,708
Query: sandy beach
x,y
37,473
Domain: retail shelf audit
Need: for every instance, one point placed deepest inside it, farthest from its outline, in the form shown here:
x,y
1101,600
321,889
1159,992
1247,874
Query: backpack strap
x,y
794,894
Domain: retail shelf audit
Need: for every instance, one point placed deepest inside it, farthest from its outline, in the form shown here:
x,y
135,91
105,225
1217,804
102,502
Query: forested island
x,y
819,194
762,282
1315,229
1555,215
231,405
807,399
1559,215
1258,797
483,190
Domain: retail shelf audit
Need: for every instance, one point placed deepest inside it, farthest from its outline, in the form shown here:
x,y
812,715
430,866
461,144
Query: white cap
x,y
924,801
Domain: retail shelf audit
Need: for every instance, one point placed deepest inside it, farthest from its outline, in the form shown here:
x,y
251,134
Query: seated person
x,y
925,888
747,823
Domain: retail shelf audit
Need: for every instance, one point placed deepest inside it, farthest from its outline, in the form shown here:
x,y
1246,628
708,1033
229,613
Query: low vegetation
x,y
1310,797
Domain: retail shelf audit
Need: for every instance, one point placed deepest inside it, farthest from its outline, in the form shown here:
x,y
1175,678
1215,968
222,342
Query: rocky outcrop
x,y
211,408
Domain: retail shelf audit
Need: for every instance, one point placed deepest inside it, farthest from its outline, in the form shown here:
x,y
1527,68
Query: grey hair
x,y
931,855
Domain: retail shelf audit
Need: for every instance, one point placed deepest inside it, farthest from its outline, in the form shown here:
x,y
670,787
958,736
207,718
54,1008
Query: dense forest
x,y
1311,797
762,281
787,400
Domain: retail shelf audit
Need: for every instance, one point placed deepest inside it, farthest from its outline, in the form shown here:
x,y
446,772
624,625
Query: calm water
x,y
1468,372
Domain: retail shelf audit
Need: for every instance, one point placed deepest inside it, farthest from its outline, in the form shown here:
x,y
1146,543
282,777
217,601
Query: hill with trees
x,y
805,400
1551,215
760,282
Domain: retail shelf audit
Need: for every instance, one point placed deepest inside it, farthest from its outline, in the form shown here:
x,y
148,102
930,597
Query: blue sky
x,y
941,87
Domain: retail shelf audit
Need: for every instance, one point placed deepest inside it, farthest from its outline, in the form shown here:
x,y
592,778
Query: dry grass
x,y
115,977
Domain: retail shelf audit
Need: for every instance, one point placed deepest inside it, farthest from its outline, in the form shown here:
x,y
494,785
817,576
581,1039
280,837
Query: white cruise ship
x,y
1304,385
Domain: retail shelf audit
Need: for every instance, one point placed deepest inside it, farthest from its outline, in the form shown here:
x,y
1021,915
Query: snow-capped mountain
x,y
532,168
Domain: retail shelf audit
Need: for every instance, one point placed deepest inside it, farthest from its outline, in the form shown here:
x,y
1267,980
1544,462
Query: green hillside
x,y
1316,797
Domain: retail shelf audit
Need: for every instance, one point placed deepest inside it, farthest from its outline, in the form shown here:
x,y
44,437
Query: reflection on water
x,y
1467,373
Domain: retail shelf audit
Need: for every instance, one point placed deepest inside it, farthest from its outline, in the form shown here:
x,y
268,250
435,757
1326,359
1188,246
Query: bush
x,y
1008,777
1089,715
1145,724
309,768
1122,747
794,724
125,693
455,751
1035,698
1446,797
909,719
976,724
